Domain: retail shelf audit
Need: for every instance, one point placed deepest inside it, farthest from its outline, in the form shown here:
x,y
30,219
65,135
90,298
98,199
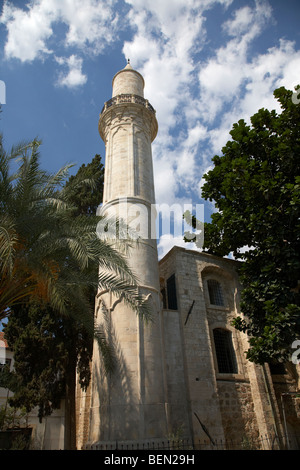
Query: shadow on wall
x,y
114,381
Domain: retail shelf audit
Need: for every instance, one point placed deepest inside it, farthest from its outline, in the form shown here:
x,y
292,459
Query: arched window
x,y
224,351
215,292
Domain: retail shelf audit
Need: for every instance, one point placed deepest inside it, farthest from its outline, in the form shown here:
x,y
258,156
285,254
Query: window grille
x,y
224,351
215,292
164,297
171,293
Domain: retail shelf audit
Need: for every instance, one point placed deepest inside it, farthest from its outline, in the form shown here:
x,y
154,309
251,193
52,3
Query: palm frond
x,y
129,293
8,241
48,255
58,179
106,350
13,291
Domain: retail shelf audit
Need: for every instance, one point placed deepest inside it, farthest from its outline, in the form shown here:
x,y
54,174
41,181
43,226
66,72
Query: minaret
x,y
129,404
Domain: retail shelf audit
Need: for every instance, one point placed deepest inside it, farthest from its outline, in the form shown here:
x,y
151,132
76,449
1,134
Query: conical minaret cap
x,y
128,81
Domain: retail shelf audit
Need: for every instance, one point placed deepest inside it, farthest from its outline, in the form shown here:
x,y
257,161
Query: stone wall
x,y
230,406
198,375
238,413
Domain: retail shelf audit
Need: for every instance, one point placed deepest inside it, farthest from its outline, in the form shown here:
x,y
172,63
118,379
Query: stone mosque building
x,y
184,374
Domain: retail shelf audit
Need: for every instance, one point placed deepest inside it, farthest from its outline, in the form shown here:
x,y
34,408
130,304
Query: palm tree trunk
x,y
70,406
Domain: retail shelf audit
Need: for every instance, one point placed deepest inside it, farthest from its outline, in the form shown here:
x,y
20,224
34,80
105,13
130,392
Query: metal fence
x,y
260,443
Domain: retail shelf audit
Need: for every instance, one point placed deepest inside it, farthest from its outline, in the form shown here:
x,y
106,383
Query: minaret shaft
x,y
130,403
128,160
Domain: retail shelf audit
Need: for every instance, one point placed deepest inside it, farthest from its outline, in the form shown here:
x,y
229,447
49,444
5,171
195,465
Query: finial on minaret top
x,y
128,65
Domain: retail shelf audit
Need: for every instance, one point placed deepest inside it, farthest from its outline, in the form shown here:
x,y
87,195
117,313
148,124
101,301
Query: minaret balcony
x,y
127,98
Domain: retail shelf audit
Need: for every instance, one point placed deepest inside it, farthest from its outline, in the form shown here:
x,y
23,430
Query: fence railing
x,y
127,98
260,443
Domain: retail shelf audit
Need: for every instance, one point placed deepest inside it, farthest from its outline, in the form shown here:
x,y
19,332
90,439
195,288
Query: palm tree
x,y
44,251
51,257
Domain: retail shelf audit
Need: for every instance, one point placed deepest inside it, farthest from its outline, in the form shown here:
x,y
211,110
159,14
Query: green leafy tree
x,y
48,349
255,186
86,187
40,345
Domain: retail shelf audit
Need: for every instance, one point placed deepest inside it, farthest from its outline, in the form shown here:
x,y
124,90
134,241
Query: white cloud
x,y
28,31
222,77
247,22
240,23
234,85
91,25
74,76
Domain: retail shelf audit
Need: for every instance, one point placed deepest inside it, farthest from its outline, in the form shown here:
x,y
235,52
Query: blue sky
x,y
206,64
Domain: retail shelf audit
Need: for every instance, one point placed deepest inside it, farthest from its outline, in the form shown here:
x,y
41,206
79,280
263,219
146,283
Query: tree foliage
x,y
86,187
52,261
40,343
255,186
47,253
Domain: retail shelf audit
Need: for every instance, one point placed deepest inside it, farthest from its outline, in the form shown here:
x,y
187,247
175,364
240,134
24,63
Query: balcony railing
x,y
128,98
